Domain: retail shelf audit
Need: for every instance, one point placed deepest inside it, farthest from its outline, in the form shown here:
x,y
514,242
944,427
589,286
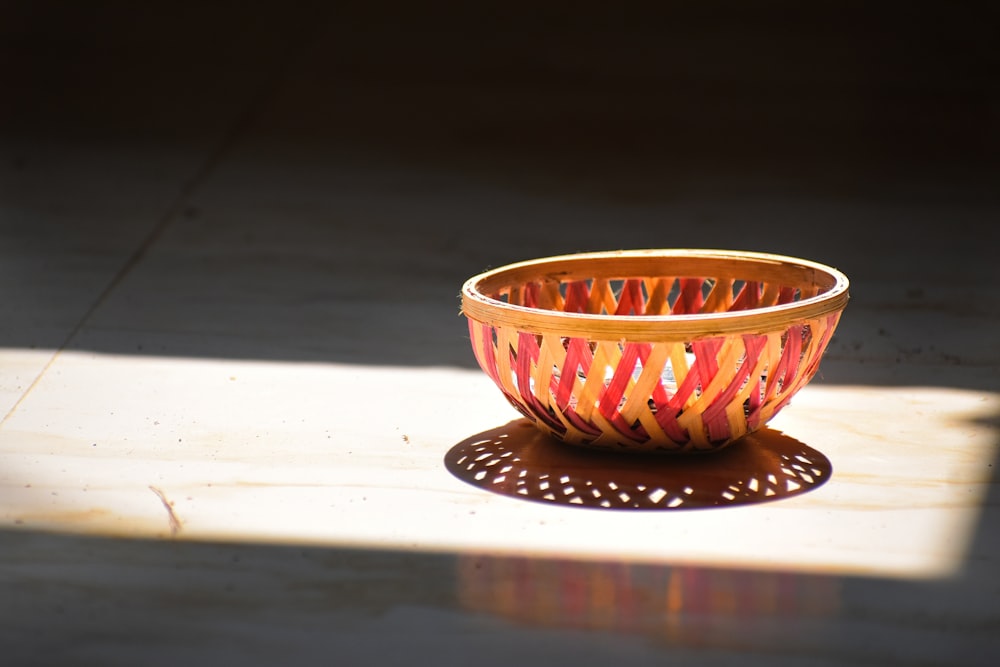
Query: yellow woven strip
x,y
727,357
720,298
679,364
598,294
608,432
551,355
586,394
691,422
772,351
810,291
553,349
772,291
736,419
549,297
767,411
609,301
734,410
636,406
653,430
690,418
606,358
642,387
606,355
480,350
576,435
762,364
516,295
818,327
504,336
543,374
657,302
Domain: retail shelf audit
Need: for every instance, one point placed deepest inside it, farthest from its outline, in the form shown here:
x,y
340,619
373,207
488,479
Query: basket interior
x,y
637,296
644,286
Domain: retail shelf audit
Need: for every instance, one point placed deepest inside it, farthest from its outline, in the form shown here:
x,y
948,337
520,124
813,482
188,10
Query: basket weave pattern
x,y
696,393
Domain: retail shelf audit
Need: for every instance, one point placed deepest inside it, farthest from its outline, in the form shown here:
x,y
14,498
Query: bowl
x,y
672,350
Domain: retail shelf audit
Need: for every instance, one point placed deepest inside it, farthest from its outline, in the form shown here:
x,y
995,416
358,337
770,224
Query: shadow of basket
x,y
520,461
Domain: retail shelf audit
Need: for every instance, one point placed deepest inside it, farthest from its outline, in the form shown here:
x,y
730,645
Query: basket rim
x,y
476,305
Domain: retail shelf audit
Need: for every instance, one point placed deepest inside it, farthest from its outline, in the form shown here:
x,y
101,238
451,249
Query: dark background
x,y
328,156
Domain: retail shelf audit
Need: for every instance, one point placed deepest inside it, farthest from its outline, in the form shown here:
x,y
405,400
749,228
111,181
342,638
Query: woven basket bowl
x,y
653,350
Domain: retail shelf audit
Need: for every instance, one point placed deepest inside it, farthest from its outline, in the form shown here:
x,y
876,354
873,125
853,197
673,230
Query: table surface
x,y
239,400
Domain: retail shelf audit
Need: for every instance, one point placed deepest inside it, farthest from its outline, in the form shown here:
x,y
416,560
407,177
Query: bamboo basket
x,y
653,350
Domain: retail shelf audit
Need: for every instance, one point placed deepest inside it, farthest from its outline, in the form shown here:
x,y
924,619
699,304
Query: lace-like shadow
x,y
518,460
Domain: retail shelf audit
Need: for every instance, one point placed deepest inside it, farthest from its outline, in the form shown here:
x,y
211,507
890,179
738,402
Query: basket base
x,y
610,443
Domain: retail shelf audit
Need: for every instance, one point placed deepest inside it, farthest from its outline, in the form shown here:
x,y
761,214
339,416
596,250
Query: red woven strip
x,y
754,402
666,417
531,293
488,360
792,354
615,391
631,301
689,301
715,415
612,398
581,425
577,296
489,363
612,395
577,355
636,435
705,361
786,294
527,354
668,411
779,372
686,388
812,364
748,298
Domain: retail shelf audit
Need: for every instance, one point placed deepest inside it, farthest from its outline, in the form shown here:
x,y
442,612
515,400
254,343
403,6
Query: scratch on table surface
x,y
175,523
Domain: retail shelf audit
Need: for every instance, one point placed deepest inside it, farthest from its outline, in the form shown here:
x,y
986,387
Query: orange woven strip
x,y
549,296
720,299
